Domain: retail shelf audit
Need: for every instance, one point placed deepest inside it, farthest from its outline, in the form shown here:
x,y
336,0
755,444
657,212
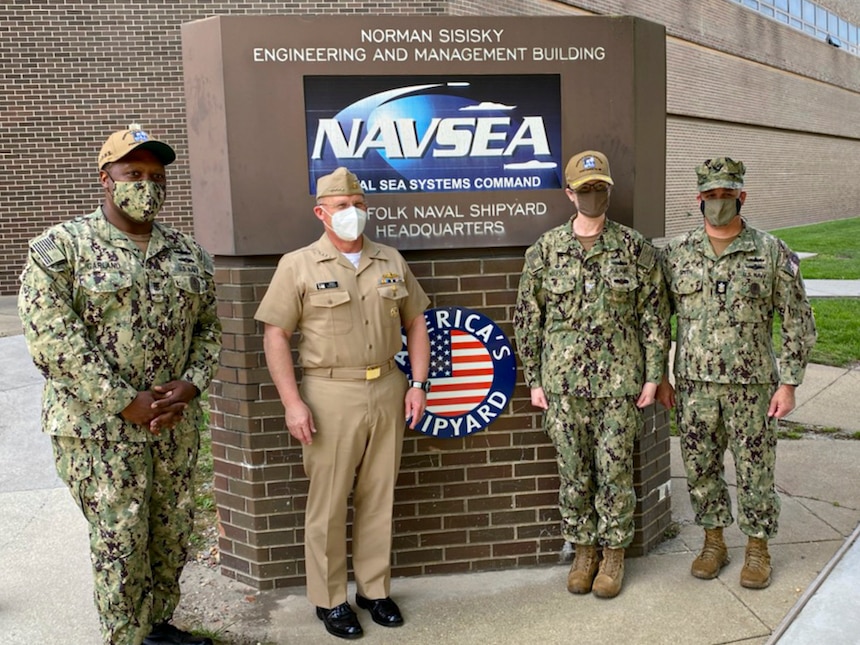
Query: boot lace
x,y
756,559
611,563
584,559
711,551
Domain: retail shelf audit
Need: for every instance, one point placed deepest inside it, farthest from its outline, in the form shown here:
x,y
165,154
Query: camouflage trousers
x,y
711,418
138,499
594,444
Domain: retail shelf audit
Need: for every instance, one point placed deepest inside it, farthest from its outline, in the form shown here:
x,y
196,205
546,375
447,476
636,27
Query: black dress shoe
x,y
384,611
167,634
340,621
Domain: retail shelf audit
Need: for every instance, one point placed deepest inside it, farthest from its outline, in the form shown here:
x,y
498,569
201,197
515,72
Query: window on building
x,y
810,18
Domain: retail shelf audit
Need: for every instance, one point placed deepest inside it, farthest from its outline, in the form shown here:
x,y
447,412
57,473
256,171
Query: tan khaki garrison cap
x,y
120,143
720,172
340,182
587,166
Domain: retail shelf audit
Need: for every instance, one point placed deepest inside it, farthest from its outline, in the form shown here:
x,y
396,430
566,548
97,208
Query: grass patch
x,y
838,341
205,509
672,531
835,243
828,430
785,433
838,249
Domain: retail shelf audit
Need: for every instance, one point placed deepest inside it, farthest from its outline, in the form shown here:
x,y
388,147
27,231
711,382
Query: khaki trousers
x,y
357,447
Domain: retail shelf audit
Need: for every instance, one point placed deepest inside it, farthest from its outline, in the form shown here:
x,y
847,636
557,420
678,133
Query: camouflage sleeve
x,y
798,322
653,311
56,336
529,317
205,347
663,259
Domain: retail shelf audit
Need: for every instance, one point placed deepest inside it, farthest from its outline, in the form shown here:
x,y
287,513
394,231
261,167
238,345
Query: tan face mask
x,y
593,203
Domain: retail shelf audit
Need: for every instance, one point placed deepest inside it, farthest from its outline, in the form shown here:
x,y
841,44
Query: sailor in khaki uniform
x,y
348,296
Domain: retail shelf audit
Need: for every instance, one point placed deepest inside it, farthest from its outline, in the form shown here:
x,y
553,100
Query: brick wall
x,y
487,501
74,71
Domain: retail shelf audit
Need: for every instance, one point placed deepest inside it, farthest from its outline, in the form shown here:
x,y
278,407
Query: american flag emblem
x,y
461,373
472,372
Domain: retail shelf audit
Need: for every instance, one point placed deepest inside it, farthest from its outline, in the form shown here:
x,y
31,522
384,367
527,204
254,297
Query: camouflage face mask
x,y
139,200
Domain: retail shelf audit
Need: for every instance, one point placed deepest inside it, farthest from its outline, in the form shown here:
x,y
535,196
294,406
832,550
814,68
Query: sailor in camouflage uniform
x,y
591,325
726,279
119,316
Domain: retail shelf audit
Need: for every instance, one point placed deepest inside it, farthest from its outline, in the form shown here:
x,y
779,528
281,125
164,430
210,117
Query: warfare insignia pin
x,y
390,278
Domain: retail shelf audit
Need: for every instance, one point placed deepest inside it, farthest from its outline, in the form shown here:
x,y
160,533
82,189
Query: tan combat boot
x,y
756,571
607,584
713,557
583,569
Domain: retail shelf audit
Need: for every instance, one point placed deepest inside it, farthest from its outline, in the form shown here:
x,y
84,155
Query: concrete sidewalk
x,y
46,586
832,288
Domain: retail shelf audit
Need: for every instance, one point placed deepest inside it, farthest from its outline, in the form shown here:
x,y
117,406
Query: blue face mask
x,y
720,212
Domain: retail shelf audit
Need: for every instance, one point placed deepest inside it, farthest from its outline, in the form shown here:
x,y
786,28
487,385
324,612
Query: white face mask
x,y
348,224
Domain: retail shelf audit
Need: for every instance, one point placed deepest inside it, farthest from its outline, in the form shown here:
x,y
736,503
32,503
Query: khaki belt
x,y
352,373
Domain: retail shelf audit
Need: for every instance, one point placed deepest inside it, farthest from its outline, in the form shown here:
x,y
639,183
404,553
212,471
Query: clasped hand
x,y
160,407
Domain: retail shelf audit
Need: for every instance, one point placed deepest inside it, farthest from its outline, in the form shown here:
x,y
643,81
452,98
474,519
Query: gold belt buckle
x,y
372,372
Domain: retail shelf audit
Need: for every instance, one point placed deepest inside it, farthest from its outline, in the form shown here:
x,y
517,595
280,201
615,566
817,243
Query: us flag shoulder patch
x,y
47,250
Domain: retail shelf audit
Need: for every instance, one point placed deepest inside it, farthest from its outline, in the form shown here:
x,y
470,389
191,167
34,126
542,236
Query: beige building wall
x,y
743,85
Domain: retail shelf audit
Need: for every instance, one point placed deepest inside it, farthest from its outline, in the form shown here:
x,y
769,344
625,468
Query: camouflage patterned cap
x,y
120,143
587,166
340,182
720,172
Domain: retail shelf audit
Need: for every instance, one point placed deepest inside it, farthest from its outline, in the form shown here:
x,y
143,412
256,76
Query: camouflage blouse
x,y
103,322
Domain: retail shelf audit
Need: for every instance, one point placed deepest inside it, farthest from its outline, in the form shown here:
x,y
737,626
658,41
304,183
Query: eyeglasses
x,y
598,186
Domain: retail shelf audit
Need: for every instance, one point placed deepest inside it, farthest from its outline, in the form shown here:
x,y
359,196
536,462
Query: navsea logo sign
x,y
421,134
472,372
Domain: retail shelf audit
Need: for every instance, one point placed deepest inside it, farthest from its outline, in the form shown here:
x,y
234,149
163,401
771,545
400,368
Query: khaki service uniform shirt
x,y
104,321
347,317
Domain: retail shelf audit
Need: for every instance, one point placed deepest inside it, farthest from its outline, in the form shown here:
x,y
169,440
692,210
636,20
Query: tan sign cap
x,y
340,182
587,166
120,143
